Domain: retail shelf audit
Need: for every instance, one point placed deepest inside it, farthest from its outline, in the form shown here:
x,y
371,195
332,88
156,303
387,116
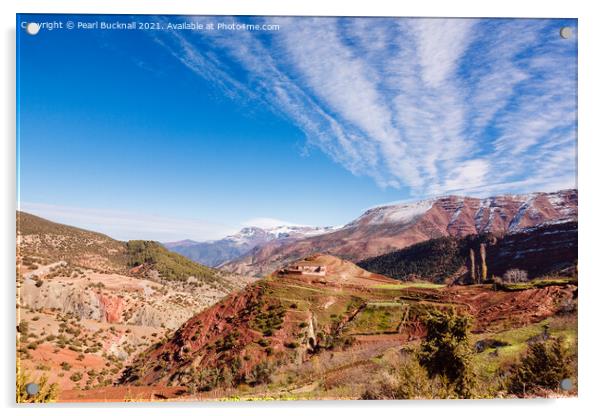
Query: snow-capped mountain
x,y
387,228
217,252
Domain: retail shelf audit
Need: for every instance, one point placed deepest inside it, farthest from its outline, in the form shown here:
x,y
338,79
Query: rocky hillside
x,y
276,318
542,250
92,302
43,241
47,241
325,333
388,228
215,253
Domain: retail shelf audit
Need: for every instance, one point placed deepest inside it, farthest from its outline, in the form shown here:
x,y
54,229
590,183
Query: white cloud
x,y
129,225
440,44
431,105
265,222
468,175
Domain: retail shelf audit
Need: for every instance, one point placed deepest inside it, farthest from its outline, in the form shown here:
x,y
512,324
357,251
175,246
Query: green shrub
x,y
445,351
544,366
206,380
259,374
75,377
407,380
23,327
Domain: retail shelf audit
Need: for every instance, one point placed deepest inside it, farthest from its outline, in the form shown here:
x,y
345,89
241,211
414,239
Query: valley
x,y
125,321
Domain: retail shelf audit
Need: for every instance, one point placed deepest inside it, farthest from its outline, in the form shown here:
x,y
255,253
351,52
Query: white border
x,y
590,72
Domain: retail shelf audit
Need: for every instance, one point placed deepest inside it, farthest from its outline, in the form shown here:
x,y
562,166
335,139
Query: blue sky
x,y
173,134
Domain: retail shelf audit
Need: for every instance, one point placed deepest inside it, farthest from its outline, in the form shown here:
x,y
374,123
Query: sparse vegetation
x,y
310,337
47,392
260,374
69,243
270,320
406,380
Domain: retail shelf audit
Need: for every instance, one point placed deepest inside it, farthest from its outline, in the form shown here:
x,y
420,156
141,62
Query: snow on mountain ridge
x,y
281,231
398,213
406,212
214,253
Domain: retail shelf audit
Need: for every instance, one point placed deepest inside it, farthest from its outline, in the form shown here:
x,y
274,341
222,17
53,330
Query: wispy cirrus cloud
x,y
428,105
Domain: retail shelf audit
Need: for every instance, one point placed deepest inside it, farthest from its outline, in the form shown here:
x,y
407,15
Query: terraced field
x,y
329,337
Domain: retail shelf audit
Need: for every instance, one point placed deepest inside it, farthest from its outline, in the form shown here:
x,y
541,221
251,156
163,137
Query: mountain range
x,y
387,228
217,252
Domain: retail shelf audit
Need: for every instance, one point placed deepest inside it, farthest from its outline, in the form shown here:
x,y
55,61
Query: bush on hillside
x,y
259,374
544,366
445,352
441,369
408,380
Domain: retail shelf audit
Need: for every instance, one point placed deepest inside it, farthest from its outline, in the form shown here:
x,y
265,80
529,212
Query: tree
x,y
515,276
445,352
545,365
472,267
260,374
46,393
483,276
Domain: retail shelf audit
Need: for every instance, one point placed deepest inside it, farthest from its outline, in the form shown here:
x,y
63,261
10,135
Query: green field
x,y
405,285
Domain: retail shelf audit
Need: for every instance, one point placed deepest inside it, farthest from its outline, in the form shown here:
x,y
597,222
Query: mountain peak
x,y
217,252
395,213
387,228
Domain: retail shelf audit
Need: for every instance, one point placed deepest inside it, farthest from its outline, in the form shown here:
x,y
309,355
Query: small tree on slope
x,y
445,352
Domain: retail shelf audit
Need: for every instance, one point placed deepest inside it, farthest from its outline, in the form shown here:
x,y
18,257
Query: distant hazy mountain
x,y
217,252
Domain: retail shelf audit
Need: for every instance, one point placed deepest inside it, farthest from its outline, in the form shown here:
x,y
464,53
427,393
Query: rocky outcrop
x,y
56,296
112,308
